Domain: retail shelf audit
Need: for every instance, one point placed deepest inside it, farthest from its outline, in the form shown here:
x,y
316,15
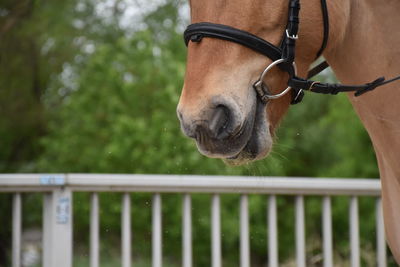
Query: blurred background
x,y
92,86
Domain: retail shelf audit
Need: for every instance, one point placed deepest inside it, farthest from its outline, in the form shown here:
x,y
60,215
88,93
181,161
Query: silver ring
x,y
260,83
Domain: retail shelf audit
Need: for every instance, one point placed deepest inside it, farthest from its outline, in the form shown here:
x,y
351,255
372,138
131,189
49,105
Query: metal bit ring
x,y
261,86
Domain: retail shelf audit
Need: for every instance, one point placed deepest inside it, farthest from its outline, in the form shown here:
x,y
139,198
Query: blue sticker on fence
x,y
52,180
62,210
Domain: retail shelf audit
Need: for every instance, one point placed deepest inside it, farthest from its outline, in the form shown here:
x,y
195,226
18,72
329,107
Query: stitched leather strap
x,y
197,31
289,48
332,88
325,19
317,69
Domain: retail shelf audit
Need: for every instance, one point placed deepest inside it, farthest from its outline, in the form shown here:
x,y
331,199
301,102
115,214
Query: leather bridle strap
x,y
323,65
282,56
196,32
325,20
333,89
317,69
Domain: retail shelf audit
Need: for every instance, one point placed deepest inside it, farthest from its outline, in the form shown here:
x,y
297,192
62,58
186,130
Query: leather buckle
x,y
292,37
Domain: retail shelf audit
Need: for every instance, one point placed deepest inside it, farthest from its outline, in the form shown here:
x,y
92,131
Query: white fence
x,y
58,222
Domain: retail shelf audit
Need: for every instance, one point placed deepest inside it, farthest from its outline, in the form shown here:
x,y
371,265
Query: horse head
x,y
218,106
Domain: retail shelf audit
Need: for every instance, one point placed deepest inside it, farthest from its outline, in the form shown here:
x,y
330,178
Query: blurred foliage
x,y
82,92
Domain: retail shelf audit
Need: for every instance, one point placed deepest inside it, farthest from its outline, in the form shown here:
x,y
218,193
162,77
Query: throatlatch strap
x,y
317,69
325,19
323,65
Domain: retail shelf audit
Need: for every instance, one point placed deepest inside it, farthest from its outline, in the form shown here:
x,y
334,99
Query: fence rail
x,y
57,212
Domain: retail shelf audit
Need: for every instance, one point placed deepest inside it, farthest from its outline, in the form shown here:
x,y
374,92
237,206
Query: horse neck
x,y
364,39
365,47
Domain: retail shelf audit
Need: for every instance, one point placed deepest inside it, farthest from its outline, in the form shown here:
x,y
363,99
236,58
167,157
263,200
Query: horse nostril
x,y
219,122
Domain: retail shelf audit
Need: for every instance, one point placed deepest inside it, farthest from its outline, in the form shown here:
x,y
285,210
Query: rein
x,y
282,56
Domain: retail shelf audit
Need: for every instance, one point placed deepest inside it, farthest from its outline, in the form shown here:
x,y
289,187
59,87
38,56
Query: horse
x,y
220,109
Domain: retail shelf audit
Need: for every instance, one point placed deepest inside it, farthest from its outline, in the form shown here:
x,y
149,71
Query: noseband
x,y
282,56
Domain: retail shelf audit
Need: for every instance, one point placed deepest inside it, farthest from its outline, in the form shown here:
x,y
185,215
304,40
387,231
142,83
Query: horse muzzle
x,y
221,130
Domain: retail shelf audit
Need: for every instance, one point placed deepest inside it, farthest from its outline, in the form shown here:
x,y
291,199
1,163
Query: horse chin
x,y
260,142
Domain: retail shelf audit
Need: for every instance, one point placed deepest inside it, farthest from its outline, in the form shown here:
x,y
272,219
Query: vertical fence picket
x,y
272,232
244,232
187,231
126,230
215,231
157,231
94,230
354,232
16,230
300,233
327,231
380,235
47,216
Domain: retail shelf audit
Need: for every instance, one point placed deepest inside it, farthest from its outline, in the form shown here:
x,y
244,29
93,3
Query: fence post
x,y
57,228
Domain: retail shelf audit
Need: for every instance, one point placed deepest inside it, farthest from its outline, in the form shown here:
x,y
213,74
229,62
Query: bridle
x,y
282,56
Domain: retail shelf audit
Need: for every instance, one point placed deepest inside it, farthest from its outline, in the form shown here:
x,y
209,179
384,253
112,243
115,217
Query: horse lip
x,y
246,153
240,139
238,132
229,144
